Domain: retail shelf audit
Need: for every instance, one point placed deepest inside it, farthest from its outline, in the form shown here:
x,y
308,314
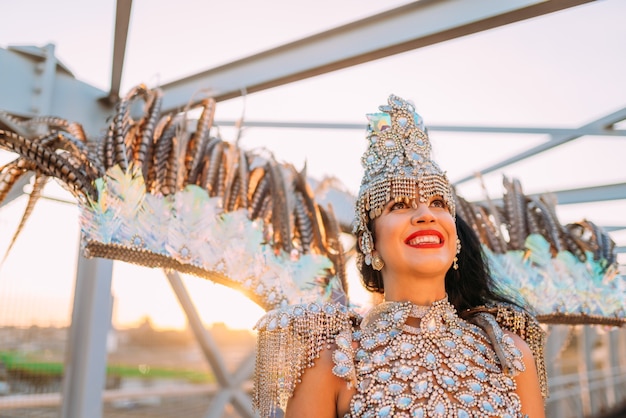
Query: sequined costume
x,y
445,367
444,364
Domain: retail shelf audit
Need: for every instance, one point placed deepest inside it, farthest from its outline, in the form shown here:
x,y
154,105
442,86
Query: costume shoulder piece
x,y
522,323
289,341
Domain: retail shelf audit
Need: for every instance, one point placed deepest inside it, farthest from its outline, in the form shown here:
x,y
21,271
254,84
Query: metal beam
x,y
556,140
84,374
122,20
405,28
441,128
584,194
31,85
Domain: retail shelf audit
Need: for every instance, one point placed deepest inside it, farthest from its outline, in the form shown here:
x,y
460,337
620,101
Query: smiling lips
x,y
425,239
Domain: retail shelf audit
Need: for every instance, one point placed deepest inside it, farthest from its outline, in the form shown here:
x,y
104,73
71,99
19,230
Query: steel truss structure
x,y
35,83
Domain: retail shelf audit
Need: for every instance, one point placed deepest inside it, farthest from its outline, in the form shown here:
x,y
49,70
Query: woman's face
x,y
416,241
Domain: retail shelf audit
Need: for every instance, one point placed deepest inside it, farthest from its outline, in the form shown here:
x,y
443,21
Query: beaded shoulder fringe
x,y
289,340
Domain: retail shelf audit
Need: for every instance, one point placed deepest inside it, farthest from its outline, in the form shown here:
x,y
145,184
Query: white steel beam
x,y
594,130
122,21
555,141
405,28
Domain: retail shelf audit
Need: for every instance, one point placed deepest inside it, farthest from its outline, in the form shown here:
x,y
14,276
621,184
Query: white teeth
x,y
425,239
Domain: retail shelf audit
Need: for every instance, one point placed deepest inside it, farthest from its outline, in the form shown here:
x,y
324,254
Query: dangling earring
x,y
455,264
377,263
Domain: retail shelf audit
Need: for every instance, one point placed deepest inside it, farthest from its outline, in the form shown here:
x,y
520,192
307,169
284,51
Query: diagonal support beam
x,y
231,386
122,22
405,28
602,123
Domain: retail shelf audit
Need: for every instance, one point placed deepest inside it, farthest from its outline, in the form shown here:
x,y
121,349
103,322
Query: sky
x,y
561,70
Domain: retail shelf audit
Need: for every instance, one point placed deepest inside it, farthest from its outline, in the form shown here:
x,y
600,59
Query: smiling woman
x,y
439,343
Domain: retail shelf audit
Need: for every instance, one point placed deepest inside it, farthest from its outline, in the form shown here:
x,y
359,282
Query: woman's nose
x,y
422,214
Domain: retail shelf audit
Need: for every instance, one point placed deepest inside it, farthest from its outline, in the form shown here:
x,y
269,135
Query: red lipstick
x,y
428,238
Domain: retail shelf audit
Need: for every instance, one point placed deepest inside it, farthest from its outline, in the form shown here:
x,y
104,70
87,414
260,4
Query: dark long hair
x,y
468,287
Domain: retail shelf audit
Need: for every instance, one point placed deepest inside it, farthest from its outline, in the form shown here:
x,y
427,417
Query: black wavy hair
x,y
468,287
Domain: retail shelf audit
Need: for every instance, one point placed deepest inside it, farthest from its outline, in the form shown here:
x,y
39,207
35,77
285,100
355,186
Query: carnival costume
x,y
156,192
444,367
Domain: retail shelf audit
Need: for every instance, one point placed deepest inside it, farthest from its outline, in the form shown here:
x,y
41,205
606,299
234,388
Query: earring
x,y
377,263
455,264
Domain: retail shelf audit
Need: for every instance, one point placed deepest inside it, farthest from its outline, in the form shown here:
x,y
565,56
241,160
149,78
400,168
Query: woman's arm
x,y
527,382
320,394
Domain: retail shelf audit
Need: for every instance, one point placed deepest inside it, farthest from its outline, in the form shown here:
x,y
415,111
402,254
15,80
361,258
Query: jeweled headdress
x,y
396,160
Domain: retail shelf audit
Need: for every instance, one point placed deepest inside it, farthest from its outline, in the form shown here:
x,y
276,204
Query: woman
x,y
432,348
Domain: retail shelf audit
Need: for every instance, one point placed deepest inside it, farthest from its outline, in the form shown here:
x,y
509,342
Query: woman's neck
x,y
418,291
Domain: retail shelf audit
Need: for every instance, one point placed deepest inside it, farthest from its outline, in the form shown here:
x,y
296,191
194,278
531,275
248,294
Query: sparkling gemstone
x,y
440,408
379,358
475,387
430,358
384,375
273,324
449,343
418,413
497,399
298,311
341,370
421,387
382,337
284,320
395,388
373,139
329,309
340,356
407,346
382,324
259,289
342,342
487,406
402,121
467,398
480,375
314,307
369,343
459,367
395,160
357,406
390,143
361,354
385,411
398,316
449,381
364,384
404,402
405,371
431,325
462,413
479,360
378,395
481,347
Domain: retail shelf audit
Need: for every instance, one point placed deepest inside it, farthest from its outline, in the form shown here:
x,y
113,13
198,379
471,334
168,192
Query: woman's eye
x,y
438,203
398,205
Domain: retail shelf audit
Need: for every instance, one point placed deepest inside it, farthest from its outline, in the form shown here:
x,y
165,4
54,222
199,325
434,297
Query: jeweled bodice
x,y
444,367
